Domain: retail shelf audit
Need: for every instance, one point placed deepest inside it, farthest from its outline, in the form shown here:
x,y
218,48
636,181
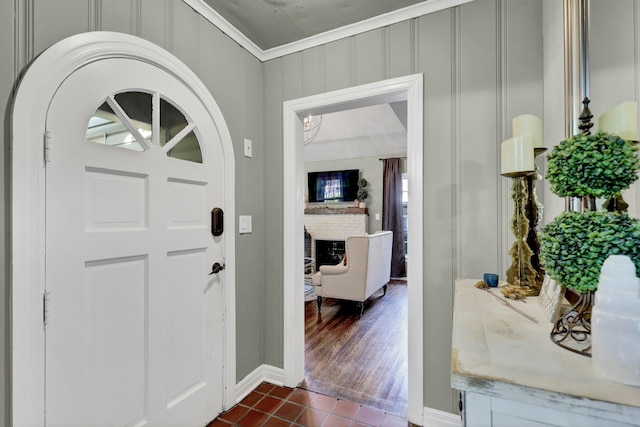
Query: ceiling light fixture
x,y
311,126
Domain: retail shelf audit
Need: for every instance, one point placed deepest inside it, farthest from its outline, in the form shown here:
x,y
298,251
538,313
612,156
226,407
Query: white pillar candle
x,y
621,120
517,154
528,123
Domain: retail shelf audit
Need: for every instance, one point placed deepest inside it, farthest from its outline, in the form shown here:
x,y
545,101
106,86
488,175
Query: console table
x,y
511,374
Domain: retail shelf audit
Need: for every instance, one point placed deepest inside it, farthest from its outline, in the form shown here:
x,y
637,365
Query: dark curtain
x,y
392,212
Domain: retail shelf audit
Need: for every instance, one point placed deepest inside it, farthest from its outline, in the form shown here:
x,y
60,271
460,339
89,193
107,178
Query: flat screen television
x,y
333,186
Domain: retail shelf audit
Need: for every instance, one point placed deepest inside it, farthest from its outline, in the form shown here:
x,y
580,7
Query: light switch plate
x,y
244,224
248,148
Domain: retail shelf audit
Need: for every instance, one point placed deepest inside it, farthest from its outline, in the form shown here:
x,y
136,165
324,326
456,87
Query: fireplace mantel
x,y
326,210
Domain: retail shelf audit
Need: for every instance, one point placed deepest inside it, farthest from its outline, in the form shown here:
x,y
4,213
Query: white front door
x,y
134,328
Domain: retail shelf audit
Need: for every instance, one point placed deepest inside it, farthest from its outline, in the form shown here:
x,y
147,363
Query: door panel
x,y
187,207
116,289
135,330
185,346
115,200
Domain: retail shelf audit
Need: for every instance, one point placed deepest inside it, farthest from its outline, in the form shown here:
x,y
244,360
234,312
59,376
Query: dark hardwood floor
x,y
362,360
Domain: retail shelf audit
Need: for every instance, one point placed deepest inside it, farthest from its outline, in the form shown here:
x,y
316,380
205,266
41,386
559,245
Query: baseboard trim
x,y
436,418
262,373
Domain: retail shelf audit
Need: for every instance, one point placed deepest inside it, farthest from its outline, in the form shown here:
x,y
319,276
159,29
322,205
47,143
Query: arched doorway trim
x,y
35,91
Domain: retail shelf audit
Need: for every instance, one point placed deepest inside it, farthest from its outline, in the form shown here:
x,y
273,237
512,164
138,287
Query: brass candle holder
x,y
525,275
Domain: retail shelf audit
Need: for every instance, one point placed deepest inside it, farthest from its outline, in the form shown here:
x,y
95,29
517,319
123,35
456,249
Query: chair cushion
x,y
317,279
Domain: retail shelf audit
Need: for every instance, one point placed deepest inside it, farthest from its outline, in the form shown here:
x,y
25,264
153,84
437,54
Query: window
x,y
111,125
124,120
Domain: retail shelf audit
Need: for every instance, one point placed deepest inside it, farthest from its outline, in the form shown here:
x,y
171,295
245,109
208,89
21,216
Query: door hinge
x,y
47,147
46,300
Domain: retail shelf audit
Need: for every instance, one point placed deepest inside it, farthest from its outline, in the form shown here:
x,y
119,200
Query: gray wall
x,y
6,82
482,65
615,68
614,46
233,76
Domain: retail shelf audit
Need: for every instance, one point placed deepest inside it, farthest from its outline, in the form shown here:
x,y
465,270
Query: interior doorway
x,y
407,89
354,352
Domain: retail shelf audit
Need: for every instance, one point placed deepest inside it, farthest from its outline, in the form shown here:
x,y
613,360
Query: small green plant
x,y
362,191
574,246
600,165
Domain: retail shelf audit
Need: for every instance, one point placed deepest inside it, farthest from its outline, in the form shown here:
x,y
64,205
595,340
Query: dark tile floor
x,y
275,406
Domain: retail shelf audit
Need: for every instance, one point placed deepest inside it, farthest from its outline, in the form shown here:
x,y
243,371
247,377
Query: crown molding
x,y
409,12
216,19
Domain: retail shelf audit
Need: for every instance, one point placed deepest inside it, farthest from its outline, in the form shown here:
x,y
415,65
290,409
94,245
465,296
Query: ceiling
x,y
272,23
378,130
272,28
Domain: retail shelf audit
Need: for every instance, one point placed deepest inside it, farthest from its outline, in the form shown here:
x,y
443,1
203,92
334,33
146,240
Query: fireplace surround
x,y
334,224
329,252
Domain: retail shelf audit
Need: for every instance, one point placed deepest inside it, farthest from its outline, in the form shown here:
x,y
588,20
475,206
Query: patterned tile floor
x,y
275,406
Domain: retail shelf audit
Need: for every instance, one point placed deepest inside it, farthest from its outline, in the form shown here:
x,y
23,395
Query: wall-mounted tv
x,y
333,186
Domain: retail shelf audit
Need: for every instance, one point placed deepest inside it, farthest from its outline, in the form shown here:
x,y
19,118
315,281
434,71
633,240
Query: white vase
x,y
615,322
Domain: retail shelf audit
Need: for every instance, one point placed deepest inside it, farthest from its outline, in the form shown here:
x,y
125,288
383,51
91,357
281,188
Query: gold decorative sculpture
x,y
521,276
525,275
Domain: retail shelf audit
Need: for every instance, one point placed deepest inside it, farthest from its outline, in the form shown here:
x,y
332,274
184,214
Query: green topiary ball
x,y
574,246
362,191
600,165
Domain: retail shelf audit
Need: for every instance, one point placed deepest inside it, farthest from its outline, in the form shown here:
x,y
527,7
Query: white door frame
x,y
35,92
407,88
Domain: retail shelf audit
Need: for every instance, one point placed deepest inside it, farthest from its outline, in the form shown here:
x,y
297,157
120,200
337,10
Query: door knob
x,y
216,268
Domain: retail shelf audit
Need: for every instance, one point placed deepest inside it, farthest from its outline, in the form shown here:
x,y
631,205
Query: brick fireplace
x,y
335,225
329,252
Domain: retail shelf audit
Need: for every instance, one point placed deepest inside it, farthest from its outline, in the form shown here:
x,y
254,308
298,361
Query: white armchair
x,y
368,268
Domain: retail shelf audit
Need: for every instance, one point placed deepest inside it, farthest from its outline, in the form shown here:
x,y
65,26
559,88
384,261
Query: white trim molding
x,y
437,418
31,103
263,373
409,88
399,15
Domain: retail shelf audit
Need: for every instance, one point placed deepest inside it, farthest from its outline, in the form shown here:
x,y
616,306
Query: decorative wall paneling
x,y
123,16
157,23
273,178
22,33
479,98
614,63
366,51
614,58
436,52
554,94
473,87
311,61
11,55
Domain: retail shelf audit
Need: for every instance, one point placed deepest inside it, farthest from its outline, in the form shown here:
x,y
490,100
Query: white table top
x,y
497,351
